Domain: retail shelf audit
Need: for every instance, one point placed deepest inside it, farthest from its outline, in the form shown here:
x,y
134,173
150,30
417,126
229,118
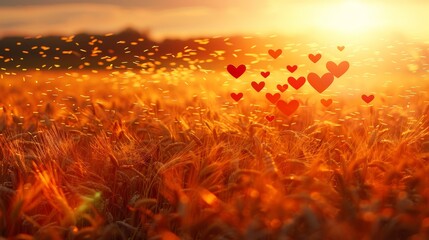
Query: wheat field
x,y
122,154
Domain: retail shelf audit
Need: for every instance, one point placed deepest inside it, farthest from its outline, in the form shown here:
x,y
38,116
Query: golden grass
x,y
111,156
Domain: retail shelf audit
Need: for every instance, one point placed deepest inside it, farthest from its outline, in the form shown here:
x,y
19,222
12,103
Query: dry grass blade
x,y
114,161
145,203
195,138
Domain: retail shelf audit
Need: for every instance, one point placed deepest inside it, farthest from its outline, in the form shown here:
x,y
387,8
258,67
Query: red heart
x,y
275,54
236,71
270,118
326,102
265,74
292,68
337,70
296,83
282,88
288,108
236,96
341,48
315,58
273,98
258,86
367,98
320,83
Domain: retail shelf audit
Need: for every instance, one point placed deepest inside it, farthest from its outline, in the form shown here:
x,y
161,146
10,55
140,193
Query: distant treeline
x,y
128,49
132,50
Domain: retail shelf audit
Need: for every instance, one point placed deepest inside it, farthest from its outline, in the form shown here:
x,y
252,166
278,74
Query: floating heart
x,y
282,88
320,83
367,98
236,96
265,74
273,98
337,70
292,68
341,48
236,71
296,83
314,58
258,86
270,118
287,108
275,54
326,102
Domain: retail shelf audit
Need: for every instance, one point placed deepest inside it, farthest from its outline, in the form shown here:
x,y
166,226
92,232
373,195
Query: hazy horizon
x,y
334,18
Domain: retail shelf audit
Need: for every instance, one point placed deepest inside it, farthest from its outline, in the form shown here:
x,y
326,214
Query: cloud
x,y
72,18
158,4
101,18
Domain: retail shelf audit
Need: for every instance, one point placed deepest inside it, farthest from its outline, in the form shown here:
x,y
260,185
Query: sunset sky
x,y
168,18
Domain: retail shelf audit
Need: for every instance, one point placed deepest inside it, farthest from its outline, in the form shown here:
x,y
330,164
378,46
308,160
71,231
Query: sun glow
x,y
350,17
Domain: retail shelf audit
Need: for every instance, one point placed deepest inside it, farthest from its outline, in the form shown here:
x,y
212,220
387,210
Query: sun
x,y
349,17
353,20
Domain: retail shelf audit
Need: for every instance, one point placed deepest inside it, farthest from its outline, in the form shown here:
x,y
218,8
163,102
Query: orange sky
x,y
199,18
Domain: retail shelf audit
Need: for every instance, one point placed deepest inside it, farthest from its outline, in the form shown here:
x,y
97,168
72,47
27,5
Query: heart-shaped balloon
x,y
270,118
283,87
296,83
273,98
367,98
258,86
265,74
236,71
320,83
337,70
275,54
326,102
292,69
236,96
315,58
287,108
